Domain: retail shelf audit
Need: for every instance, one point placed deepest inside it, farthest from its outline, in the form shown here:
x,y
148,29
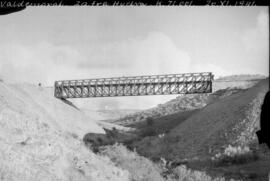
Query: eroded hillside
x,y
40,139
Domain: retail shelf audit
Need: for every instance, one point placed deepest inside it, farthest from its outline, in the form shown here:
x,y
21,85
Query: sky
x,y
44,44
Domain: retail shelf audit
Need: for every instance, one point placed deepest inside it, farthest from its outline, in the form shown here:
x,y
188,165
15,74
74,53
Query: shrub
x,y
237,159
182,173
74,135
94,141
112,134
149,131
149,121
235,155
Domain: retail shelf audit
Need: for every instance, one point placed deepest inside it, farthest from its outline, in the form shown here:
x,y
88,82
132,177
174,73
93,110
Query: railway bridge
x,y
188,83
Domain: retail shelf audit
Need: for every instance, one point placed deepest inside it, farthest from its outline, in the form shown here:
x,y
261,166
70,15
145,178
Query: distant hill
x,y
241,77
238,81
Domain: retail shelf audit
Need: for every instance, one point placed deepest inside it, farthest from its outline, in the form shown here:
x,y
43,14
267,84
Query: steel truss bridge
x,y
189,83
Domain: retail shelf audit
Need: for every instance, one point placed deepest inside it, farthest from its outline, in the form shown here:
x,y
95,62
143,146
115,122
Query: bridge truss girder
x,y
135,86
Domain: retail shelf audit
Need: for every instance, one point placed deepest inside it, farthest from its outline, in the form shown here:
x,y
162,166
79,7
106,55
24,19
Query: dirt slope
x,y
231,120
40,139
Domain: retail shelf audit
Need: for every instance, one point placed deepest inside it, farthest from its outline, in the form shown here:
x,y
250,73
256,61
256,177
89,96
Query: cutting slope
x,y
231,120
40,139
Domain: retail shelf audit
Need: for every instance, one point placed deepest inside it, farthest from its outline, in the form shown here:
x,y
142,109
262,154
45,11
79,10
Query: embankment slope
x,y
40,139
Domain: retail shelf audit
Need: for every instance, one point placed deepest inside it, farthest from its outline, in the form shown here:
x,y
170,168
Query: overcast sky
x,y
44,44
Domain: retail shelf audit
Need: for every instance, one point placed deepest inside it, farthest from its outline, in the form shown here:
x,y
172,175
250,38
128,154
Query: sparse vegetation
x,y
95,140
235,155
150,121
182,173
142,169
148,131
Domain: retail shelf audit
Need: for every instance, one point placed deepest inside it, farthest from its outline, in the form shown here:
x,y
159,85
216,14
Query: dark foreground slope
x,y
232,120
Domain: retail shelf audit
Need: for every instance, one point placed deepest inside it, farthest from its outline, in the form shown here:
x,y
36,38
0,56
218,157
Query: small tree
x,y
150,121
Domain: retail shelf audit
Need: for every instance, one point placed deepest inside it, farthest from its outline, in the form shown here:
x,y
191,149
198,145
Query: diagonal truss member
x,y
189,83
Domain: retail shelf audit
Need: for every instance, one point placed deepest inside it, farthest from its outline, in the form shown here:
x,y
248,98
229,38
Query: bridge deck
x,y
135,86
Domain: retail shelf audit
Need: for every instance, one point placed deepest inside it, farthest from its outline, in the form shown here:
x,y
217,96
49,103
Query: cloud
x,y
154,54
46,62
43,62
257,39
210,67
256,44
